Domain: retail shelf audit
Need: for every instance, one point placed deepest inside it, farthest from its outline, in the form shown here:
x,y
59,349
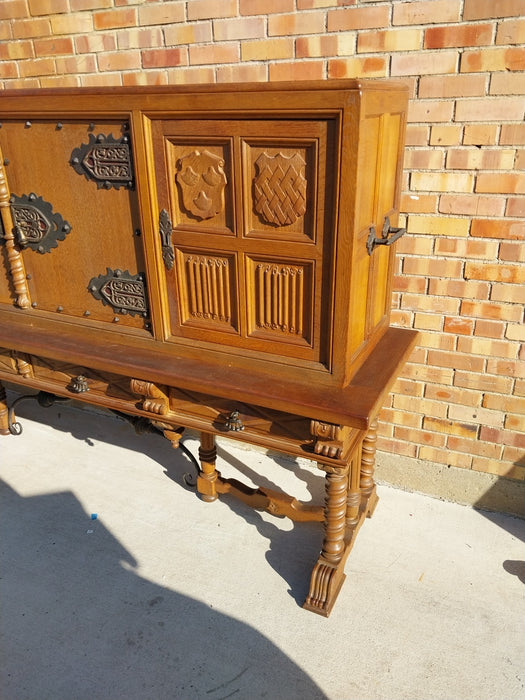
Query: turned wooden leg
x,y
368,459
328,575
353,500
4,412
208,475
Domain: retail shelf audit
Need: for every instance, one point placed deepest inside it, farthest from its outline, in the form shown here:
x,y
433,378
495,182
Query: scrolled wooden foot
x,y
328,573
325,585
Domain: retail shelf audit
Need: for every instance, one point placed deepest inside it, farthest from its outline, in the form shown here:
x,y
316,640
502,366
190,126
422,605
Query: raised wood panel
x,y
388,154
104,223
201,184
367,186
390,137
280,190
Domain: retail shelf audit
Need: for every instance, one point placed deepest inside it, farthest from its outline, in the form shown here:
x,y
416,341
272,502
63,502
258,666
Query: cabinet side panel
x,y
380,150
390,136
367,197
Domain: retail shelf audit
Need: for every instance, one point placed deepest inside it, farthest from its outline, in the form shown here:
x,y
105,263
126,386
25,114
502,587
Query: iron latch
x,y
389,235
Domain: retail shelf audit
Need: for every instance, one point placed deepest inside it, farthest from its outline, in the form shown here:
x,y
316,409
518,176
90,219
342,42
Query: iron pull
x,y
234,422
165,230
79,385
389,235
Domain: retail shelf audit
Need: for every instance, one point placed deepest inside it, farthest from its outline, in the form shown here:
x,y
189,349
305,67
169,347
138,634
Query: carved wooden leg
x,y
368,459
328,573
353,500
4,412
206,481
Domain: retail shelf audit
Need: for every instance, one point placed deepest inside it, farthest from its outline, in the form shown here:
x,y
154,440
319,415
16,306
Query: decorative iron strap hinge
x,y
36,226
125,293
106,160
389,235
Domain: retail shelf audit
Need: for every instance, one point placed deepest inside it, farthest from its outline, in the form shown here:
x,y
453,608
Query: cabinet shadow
x,y
78,621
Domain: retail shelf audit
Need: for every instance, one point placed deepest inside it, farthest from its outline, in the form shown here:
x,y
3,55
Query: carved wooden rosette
x,y
154,400
14,256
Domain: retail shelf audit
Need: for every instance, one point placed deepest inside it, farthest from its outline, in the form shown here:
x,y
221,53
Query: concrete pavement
x,y
119,583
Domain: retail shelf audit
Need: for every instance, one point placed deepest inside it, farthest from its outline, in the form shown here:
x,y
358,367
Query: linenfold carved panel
x,y
206,289
282,298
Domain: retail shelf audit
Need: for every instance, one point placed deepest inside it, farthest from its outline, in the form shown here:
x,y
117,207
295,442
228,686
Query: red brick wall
x,y
461,400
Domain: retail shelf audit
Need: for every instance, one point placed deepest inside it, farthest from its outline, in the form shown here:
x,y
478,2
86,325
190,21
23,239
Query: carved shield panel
x,y
280,188
201,180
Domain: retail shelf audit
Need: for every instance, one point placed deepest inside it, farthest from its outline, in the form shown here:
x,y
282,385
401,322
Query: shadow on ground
x,y
78,622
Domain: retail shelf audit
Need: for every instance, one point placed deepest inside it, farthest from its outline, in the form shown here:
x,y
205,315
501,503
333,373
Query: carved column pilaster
x,y
336,487
368,460
14,256
368,453
353,500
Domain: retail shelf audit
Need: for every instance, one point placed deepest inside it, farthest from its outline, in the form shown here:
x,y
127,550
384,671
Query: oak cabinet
x,y
218,257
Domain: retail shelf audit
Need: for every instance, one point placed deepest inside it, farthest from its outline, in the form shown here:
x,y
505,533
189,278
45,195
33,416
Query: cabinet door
x,y
249,205
75,216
